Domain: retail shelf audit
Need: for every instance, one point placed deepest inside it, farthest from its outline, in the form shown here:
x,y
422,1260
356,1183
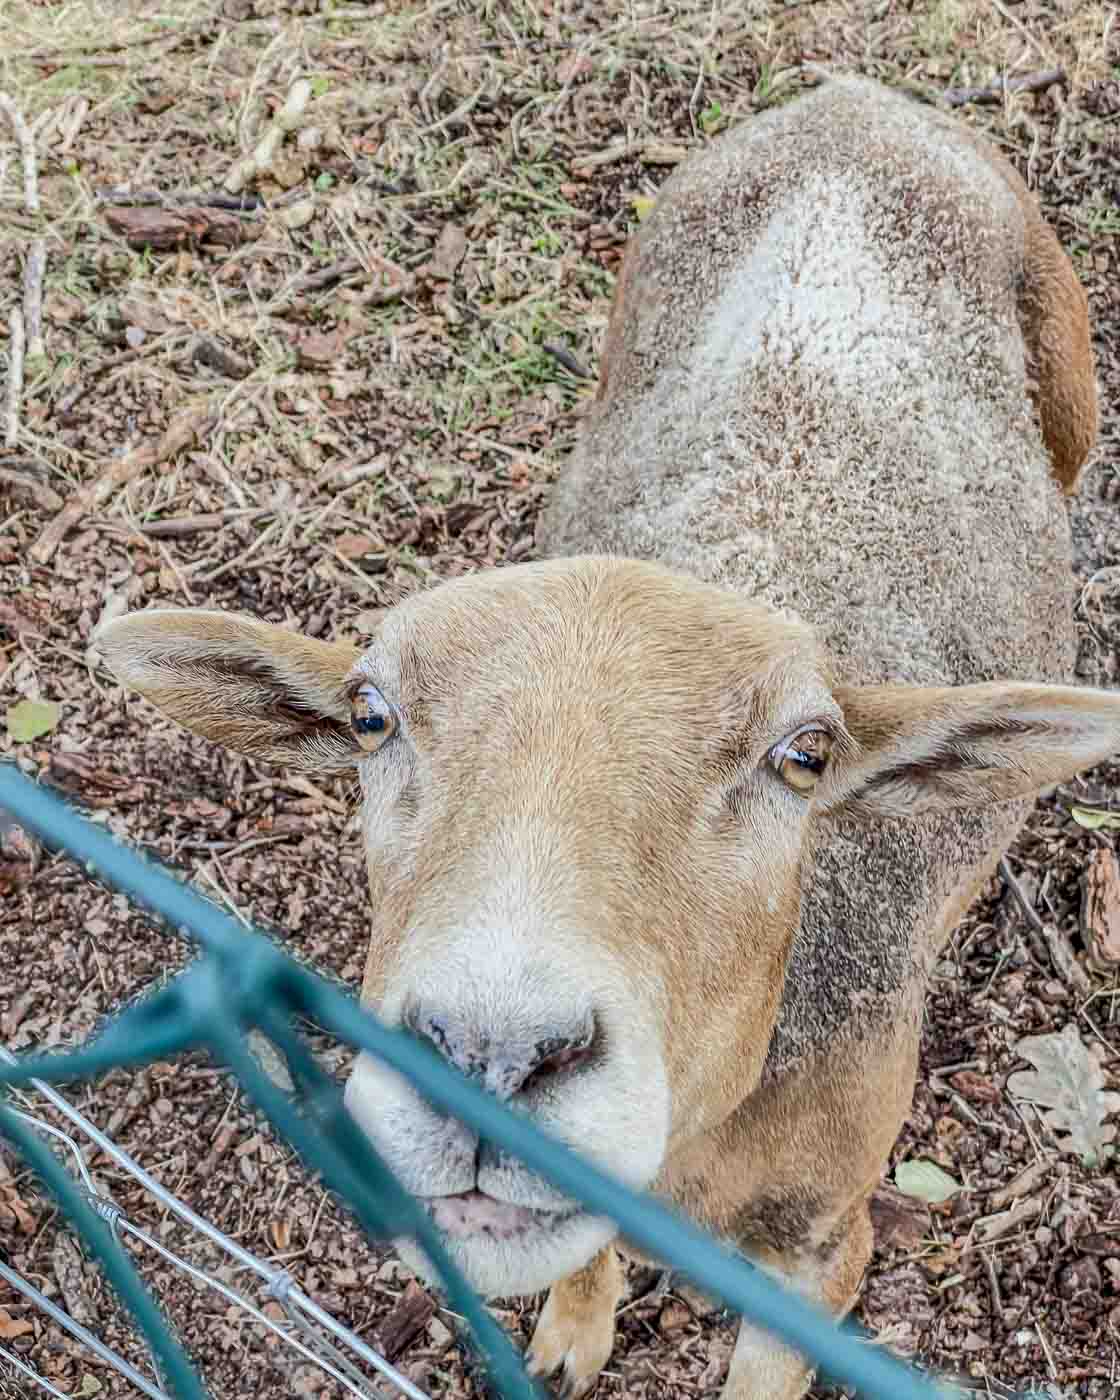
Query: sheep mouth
x,y
474,1213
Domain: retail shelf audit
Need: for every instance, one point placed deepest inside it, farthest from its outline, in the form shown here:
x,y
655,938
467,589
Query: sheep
x,y
666,829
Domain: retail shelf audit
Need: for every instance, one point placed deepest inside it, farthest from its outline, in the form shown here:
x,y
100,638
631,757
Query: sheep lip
x,y
475,1213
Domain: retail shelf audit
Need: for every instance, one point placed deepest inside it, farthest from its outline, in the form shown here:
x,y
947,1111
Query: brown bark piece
x,y
404,1324
1100,910
977,1088
899,1221
146,227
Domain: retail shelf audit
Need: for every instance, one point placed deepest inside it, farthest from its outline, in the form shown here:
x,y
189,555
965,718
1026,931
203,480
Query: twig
x,y
401,283
489,445
26,143
65,55
179,525
619,151
207,199
33,298
316,281
993,1286
1021,896
1053,945
996,92
183,431
15,375
374,177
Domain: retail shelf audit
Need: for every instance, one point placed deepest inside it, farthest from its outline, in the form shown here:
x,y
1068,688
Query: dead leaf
x,y
1095,818
926,1181
13,1327
1100,910
1069,1085
320,350
31,719
270,1060
353,546
25,1221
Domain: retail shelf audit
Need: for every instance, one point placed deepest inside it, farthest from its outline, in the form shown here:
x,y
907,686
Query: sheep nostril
x,y
555,1062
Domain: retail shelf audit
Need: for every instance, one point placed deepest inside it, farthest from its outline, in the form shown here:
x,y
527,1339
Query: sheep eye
x,y
372,718
801,759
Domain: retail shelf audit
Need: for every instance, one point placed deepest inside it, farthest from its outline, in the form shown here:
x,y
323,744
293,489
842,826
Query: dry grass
x,y
381,361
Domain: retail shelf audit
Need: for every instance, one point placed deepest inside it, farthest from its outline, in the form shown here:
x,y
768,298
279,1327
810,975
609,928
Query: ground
x,y
363,381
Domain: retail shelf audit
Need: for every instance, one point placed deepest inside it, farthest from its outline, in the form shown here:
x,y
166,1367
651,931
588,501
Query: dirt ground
x,y
362,381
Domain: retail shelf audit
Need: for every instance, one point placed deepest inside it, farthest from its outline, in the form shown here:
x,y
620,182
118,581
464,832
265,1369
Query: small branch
x,y
180,526
181,434
207,199
316,281
33,298
26,143
996,92
1022,899
1058,951
15,376
75,55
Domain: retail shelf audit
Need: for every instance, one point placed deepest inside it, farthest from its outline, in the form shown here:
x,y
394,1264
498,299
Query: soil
x,y
361,382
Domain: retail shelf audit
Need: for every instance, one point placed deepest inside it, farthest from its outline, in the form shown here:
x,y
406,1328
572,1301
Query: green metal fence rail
x,y
242,981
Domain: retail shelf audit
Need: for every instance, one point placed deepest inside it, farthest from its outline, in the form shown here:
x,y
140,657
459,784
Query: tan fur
x,y
1054,316
575,1335
815,489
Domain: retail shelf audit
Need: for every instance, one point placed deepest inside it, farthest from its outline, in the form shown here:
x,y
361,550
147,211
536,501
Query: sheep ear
x,y
923,750
251,686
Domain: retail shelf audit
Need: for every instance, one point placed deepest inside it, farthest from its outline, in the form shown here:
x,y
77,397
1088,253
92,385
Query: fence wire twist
x,y
242,982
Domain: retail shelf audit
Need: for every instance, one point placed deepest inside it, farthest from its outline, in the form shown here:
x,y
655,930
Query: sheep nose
x,y
508,1062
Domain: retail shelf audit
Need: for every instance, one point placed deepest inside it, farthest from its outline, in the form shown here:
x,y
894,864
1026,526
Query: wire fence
x,y
242,982
311,1332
